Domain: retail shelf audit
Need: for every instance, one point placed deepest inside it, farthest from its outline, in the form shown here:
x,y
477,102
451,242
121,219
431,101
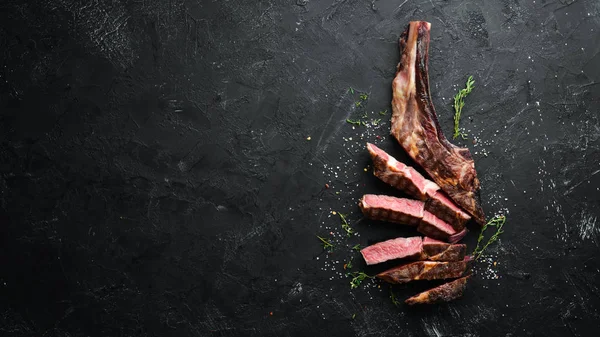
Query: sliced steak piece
x,y
398,248
436,250
423,270
413,248
444,293
398,210
402,177
435,227
445,209
409,212
415,124
411,182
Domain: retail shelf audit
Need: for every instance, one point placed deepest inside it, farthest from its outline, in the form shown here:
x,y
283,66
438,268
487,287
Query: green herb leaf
x,y
357,103
348,265
365,115
459,103
351,90
376,121
498,222
345,225
353,316
383,113
394,298
355,122
358,278
364,97
356,247
326,244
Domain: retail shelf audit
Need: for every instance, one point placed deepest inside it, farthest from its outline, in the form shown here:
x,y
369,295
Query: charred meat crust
x,y
415,125
444,293
444,252
423,270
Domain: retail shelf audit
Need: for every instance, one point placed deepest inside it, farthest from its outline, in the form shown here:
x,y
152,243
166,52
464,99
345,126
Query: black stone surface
x,y
156,178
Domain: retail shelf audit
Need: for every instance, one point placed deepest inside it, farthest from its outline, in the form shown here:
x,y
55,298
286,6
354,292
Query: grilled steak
x,y
434,227
444,293
402,177
435,250
409,212
414,248
423,270
415,124
410,181
391,209
445,209
398,248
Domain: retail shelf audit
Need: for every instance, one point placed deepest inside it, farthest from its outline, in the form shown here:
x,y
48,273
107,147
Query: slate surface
x,y
156,178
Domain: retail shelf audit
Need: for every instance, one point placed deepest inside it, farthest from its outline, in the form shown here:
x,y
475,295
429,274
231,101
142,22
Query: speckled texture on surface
x,y
156,177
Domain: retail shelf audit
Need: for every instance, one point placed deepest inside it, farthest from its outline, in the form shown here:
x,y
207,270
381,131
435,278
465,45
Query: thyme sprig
x,y
348,265
498,222
393,297
355,121
345,225
357,278
459,103
326,244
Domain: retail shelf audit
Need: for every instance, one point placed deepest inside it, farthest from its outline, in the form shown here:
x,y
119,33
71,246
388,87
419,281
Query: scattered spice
x,y
326,185
308,138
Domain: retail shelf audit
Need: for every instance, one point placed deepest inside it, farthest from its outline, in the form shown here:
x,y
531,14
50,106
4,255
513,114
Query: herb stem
x,y
394,298
355,121
326,244
345,225
498,222
459,103
358,278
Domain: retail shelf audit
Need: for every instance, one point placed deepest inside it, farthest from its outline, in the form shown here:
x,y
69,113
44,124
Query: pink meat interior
x,y
391,162
438,223
428,240
392,249
411,207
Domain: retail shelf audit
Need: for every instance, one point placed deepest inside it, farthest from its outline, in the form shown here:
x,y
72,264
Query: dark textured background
x,y
156,178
